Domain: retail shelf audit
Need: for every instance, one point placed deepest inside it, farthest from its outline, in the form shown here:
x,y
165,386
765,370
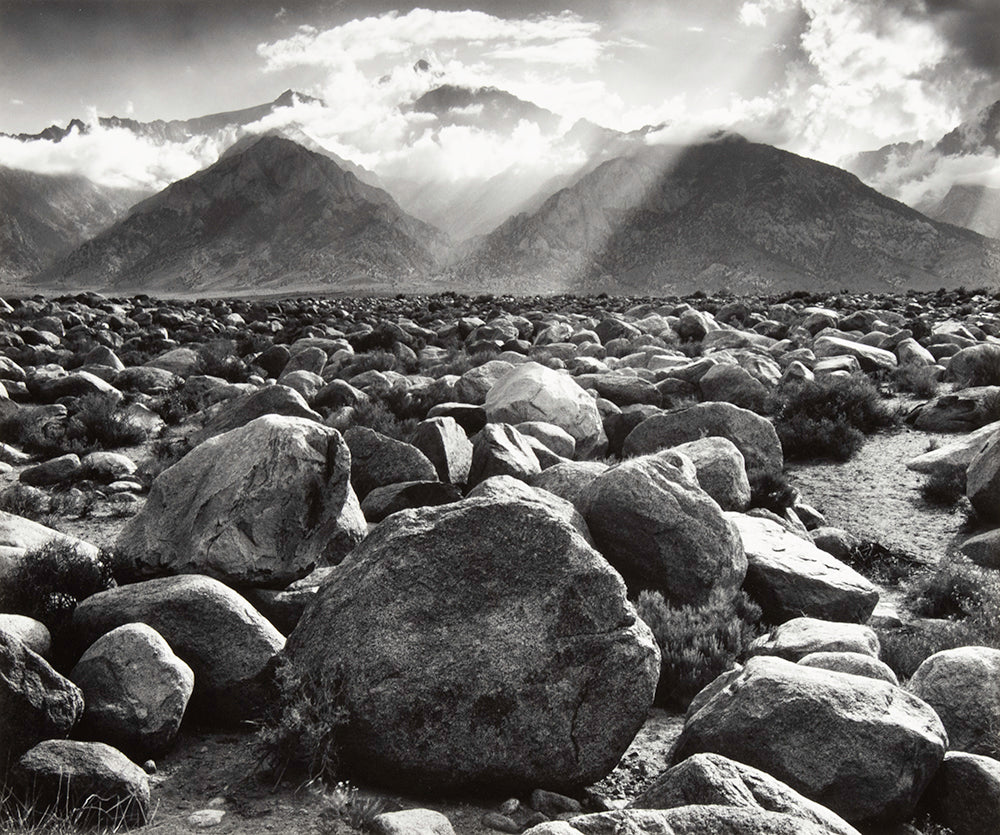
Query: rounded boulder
x,y
480,644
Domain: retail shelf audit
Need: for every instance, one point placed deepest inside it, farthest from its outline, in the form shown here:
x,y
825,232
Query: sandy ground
x,y
875,497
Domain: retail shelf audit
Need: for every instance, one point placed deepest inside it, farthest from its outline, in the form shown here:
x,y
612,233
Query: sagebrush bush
x,y
882,564
25,501
697,644
303,733
958,589
344,803
771,491
220,358
916,379
375,414
458,362
94,422
943,488
47,583
828,417
905,648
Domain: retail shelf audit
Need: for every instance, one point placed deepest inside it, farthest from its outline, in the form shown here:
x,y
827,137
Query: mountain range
x,y
279,212
942,178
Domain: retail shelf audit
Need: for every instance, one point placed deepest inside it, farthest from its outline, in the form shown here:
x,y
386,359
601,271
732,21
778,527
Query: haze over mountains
x,y
622,212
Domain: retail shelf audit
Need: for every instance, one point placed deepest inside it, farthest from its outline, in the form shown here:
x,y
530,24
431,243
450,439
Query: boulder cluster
x,y
448,508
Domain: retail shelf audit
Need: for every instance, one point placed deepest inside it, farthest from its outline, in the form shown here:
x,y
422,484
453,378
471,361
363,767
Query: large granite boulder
x,y
861,747
790,577
959,411
534,392
36,702
228,644
135,690
982,480
711,779
753,435
965,794
722,472
684,820
239,411
963,686
378,460
480,644
446,446
798,637
92,781
663,532
261,505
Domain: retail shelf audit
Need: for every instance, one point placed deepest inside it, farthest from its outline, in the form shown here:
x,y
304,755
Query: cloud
x,y
752,14
972,27
568,38
114,157
17,102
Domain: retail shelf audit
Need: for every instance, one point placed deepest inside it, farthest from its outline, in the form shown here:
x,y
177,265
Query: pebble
x,y
501,823
205,818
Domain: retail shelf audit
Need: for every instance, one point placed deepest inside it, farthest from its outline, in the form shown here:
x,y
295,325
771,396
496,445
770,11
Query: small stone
x,y
206,818
509,806
149,766
552,803
501,823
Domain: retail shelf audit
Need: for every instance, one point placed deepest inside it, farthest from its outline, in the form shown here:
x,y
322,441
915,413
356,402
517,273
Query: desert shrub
x,y
344,803
697,644
25,501
458,362
375,414
958,589
95,422
918,380
221,359
904,648
943,488
828,417
174,407
771,491
100,423
882,564
165,453
48,582
303,733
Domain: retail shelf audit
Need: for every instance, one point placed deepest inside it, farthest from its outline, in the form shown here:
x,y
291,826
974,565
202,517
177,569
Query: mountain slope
x,y
44,216
974,207
272,216
728,213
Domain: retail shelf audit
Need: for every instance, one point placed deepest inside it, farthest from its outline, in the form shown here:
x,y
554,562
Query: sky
x,y
824,78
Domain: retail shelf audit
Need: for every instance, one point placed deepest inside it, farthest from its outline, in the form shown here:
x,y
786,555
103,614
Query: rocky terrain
x,y
479,564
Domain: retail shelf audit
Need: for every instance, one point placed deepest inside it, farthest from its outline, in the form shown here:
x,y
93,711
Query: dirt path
x,y
875,497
